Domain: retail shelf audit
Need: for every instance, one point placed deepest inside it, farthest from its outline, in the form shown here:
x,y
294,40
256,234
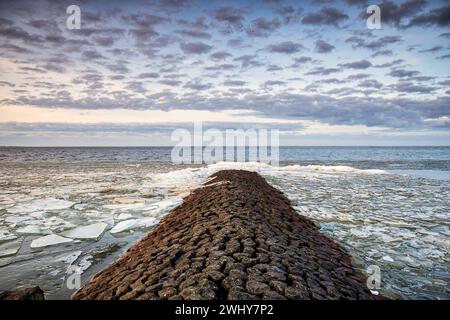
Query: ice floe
x,y
85,263
32,229
57,224
92,232
134,224
124,216
45,204
6,235
124,225
15,219
133,206
69,258
10,248
49,240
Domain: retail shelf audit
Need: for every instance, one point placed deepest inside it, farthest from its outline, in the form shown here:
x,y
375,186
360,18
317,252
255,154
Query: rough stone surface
x,y
235,238
34,293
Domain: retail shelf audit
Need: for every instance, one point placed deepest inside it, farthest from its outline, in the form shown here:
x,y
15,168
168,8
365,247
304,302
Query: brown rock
x,y
34,293
255,287
236,238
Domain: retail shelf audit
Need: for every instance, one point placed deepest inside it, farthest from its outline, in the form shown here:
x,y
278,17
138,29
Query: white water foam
x,y
191,178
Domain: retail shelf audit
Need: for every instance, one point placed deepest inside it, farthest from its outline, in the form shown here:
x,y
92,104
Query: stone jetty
x,y
235,238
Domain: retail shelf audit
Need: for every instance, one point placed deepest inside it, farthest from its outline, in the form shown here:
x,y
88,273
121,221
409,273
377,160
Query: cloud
x,y
7,84
287,47
31,69
438,122
142,35
230,15
274,67
271,83
262,27
350,110
234,83
300,61
322,71
446,56
143,25
172,83
325,16
409,87
197,85
400,73
432,50
324,47
139,128
382,53
93,55
377,44
148,75
362,3
9,31
195,48
157,56
144,20
248,60
220,55
395,14
104,41
390,64
221,67
437,17
195,34
358,76
9,47
370,84
198,23
363,64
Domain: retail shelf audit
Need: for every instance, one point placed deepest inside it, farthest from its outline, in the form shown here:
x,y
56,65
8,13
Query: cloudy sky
x,y
136,70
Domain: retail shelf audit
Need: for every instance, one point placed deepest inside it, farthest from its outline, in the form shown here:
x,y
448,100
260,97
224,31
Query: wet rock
x,y
167,292
236,239
278,286
215,276
272,295
255,287
34,293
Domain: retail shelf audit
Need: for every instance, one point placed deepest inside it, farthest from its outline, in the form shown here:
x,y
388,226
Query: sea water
x,y
83,207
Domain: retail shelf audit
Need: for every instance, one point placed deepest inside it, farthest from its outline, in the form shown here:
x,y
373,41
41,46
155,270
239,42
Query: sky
x,y
137,70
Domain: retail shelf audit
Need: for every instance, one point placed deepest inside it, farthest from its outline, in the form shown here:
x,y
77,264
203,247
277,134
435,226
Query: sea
x,y
69,211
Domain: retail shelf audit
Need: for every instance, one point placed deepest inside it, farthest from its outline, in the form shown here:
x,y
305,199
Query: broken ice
x,y
50,240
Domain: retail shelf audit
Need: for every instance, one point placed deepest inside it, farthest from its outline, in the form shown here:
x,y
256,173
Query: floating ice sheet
x,y
124,225
45,204
10,248
134,224
50,240
6,235
92,232
32,229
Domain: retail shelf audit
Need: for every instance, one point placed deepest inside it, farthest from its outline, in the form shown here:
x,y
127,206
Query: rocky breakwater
x,y
234,238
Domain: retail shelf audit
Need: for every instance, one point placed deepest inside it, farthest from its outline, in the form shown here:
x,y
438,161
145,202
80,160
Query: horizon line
x,y
281,146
